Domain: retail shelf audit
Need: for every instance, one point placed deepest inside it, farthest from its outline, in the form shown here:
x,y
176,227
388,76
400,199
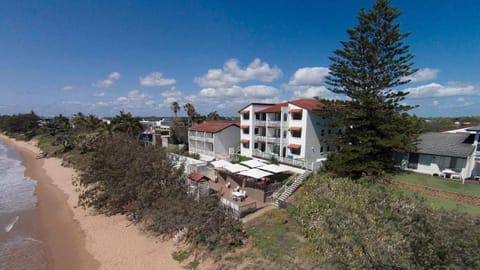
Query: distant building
x,y
214,139
452,155
292,132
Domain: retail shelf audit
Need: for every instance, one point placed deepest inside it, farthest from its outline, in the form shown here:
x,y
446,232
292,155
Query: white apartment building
x,y
292,132
214,139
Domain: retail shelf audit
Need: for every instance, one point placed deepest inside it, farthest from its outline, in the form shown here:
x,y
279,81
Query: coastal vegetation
x,y
367,70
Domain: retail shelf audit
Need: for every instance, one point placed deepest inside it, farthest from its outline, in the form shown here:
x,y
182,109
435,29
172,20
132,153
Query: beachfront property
x,y
449,155
291,132
161,132
214,139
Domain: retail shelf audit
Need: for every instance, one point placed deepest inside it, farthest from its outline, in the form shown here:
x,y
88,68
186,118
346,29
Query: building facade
x,y
437,153
214,139
292,132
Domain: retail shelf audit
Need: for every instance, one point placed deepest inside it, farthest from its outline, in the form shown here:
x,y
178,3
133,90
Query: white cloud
x,y
68,87
155,79
232,74
312,91
260,91
439,90
109,81
309,76
172,92
99,94
423,75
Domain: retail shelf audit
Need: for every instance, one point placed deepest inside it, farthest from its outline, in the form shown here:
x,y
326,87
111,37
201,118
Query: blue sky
x,y
101,57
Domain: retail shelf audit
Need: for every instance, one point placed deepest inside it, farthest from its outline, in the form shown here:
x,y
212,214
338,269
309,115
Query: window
x,y
322,132
328,148
246,130
255,131
285,117
246,116
255,146
246,145
297,116
321,149
296,133
295,151
284,134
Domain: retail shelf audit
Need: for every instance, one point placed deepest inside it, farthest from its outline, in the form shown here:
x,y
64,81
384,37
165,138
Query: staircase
x,y
279,200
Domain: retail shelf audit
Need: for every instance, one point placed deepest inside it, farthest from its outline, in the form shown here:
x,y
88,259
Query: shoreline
x,y
78,239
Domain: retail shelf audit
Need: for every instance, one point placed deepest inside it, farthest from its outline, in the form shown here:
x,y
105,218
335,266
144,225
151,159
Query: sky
x,y
101,57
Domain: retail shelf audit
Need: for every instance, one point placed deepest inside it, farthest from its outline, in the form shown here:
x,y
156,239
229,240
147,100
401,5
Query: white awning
x,y
253,163
235,168
220,163
255,173
273,168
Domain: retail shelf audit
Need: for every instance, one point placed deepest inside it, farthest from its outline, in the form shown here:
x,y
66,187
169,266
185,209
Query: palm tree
x,y
175,107
125,122
190,110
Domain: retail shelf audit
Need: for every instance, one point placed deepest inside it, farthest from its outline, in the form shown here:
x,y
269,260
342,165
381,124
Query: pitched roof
x,y
310,104
445,144
273,108
254,103
197,177
214,126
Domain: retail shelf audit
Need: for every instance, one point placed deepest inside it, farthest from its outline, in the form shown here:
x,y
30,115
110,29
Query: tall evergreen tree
x,y
371,64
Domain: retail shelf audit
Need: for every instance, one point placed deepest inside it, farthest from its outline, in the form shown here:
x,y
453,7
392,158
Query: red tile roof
x,y
244,140
214,126
295,128
310,104
274,108
197,177
295,110
294,146
254,103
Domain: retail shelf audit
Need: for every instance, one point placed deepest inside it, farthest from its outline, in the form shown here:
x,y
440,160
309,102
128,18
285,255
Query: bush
x,y
352,225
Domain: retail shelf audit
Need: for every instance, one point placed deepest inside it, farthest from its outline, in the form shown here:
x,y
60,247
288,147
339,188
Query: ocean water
x,y
19,246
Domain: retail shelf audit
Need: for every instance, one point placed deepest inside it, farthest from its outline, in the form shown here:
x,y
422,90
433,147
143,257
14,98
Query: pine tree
x,y
371,64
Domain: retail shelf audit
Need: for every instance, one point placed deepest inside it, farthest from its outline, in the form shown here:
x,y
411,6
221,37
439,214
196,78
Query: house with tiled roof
x,y
214,139
451,155
293,132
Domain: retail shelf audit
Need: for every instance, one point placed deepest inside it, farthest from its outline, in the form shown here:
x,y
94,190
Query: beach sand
x,y
76,238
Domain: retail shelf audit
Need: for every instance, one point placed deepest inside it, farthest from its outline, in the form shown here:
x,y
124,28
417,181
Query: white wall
x,y
431,164
223,140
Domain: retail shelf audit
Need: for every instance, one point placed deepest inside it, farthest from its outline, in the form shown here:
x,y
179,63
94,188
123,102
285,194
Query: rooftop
x,y
214,126
310,104
445,144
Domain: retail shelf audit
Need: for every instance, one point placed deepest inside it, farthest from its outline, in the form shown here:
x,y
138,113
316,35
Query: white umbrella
x,y
272,168
253,163
255,173
220,163
235,168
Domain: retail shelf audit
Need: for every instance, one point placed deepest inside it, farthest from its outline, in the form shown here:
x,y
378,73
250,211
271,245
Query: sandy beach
x,y
78,239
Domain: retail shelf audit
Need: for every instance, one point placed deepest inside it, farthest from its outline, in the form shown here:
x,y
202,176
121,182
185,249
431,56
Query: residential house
x,y
453,155
214,139
292,132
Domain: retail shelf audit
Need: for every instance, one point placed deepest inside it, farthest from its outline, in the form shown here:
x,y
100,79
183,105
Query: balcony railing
x,y
273,124
273,139
201,138
260,122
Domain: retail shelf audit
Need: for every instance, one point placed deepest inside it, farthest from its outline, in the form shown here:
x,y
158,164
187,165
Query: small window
x,y
297,116
295,151
256,131
284,134
246,145
322,133
296,133
246,116
246,130
285,117
321,149
255,145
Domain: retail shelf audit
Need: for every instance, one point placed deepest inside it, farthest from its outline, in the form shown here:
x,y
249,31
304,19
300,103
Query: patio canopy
x,y
272,168
235,168
220,163
255,173
253,163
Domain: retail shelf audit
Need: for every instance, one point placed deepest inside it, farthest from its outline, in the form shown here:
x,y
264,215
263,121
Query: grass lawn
x,y
438,183
441,203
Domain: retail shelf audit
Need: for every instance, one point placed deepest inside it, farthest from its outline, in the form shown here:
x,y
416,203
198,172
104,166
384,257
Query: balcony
x,y
273,124
260,138
273,140
260,123
201,139
294,162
